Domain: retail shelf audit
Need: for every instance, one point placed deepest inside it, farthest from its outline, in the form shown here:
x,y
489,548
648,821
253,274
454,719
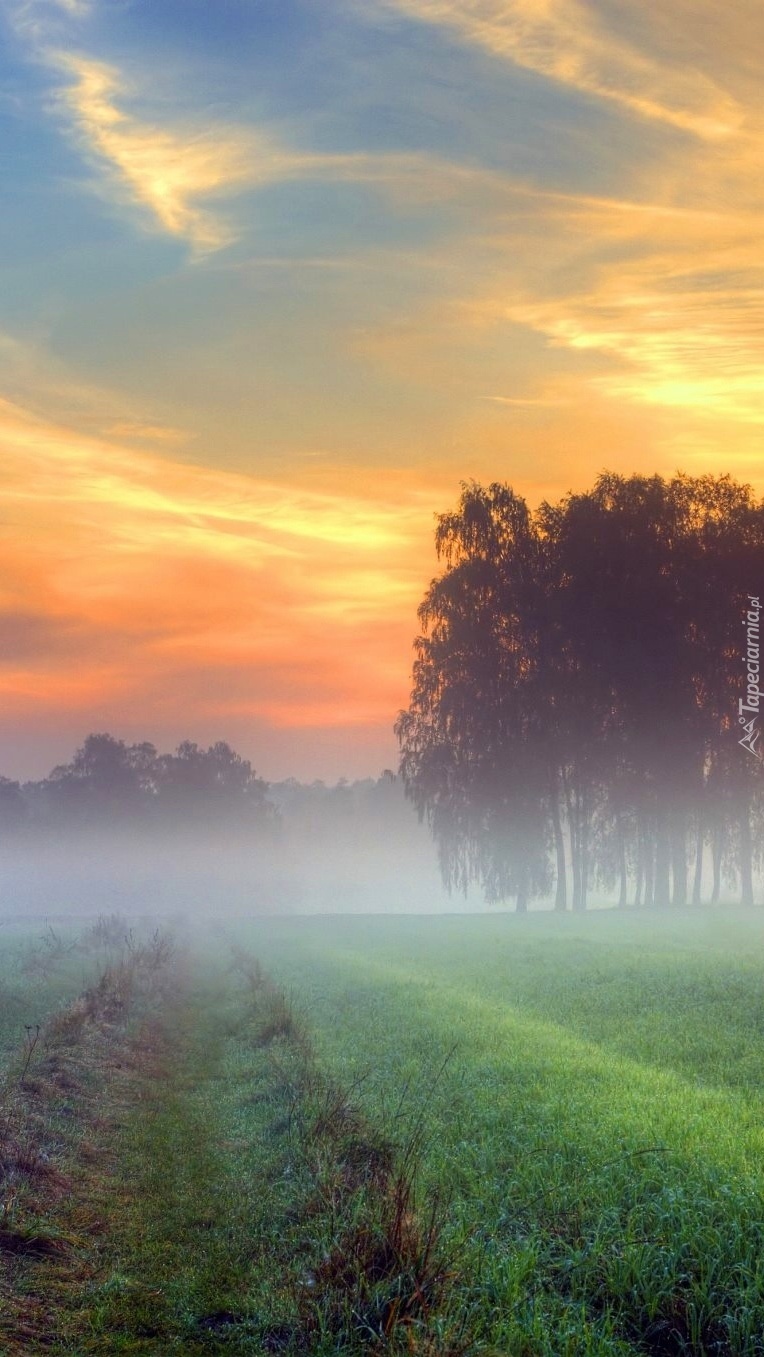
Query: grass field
x,y
442,1135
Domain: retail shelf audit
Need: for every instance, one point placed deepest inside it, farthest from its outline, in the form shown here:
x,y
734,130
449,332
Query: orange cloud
x,y
144,588
645,312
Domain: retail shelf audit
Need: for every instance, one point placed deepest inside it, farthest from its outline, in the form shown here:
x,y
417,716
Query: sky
x,y
276,276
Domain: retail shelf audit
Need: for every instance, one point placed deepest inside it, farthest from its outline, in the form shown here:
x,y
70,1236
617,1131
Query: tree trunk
x,y
649,868
640,864
577,884
662,862
746,854
583,853
678,860
622,898
716,855
561,890
574,829
697,881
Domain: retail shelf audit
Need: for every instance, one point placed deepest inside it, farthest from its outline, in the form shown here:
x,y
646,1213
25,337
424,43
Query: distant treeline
x,y
585,703
110,786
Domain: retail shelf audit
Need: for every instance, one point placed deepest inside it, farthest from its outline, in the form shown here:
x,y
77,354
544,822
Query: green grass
x,y
40,969
589,1098
599,1125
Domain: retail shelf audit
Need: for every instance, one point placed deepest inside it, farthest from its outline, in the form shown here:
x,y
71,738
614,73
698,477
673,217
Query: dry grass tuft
x,y
382,1270
278,1020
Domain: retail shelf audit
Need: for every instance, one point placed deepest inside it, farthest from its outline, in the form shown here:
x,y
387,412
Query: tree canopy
x,y
576,690
111,783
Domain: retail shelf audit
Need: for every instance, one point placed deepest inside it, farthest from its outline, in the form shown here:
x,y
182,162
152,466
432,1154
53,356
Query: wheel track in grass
x,y
119,1239
189,1219
62,1186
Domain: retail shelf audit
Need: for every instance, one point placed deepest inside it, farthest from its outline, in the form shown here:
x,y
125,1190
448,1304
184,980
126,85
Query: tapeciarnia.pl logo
x,y
748,709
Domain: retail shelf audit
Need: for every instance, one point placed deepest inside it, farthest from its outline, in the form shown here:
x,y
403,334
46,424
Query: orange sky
x,y
274,285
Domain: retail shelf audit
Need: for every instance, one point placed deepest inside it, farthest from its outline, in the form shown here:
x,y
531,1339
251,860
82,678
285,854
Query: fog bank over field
x,y
210,876
123,828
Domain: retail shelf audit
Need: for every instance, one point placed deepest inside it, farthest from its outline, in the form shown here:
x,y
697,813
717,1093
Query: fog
x,y
123,828
209,876
344,868
296,849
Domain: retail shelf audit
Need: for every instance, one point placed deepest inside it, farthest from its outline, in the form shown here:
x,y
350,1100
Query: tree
x,y
474,749
576,684
13,808
214,785
105,781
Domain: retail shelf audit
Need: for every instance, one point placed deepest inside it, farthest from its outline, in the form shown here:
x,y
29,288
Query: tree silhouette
x,y
473,739
109,783
106,780
576,684
202,784
13,808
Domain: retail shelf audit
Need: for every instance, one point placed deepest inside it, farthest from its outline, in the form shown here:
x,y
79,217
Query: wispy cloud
x,y
40,21
173,172
147,433
566,41
639,309
168,171
673,299
528,402
77,9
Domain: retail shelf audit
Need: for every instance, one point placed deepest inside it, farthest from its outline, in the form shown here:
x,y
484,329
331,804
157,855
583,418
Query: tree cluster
x,y
109,784
575,713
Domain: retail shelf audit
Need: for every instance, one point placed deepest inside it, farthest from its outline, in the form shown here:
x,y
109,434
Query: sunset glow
x,y
279,278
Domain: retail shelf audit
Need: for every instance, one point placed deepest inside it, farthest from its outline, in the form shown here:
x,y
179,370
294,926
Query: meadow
x,y
442,1135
